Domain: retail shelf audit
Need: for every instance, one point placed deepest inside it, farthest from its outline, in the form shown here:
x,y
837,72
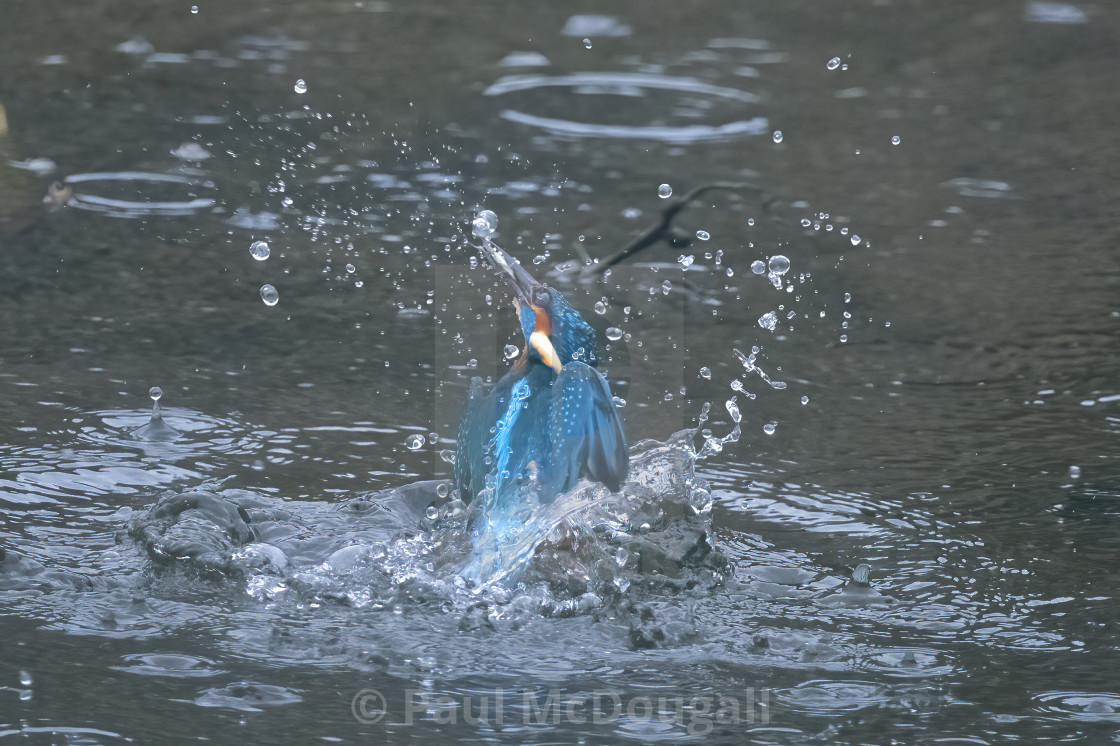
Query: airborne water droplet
x,y
600,307
833,63
485,224
758,267
259,250
896,140
768,320
300,86
614,333
414,442
769,428
587,44
706,373
779,265
155,392
510,352
703,235
269,295
778,137
664,191
804,400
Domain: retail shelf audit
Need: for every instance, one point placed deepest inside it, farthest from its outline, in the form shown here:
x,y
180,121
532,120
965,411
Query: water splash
x,y
156,430
751,366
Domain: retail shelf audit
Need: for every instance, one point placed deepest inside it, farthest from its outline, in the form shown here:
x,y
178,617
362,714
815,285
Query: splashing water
x,y
156,430
750,366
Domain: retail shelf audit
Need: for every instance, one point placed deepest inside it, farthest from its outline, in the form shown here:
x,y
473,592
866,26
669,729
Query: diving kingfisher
x,y
551,418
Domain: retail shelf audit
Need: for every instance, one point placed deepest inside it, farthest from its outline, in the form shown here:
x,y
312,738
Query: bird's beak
x,y
518,278
523,283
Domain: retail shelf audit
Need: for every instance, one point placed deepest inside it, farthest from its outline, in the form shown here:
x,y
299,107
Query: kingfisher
x,y
548,422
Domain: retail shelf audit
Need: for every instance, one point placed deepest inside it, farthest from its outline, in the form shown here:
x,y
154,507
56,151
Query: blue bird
x,y
549,421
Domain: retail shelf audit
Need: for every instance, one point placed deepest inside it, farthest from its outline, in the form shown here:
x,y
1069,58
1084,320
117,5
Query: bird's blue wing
x,y
587,437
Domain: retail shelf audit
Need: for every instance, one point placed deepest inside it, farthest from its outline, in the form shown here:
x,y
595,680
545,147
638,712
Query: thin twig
x,y
661,229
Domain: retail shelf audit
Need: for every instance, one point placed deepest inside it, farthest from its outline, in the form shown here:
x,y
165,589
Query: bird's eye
x,y
541,297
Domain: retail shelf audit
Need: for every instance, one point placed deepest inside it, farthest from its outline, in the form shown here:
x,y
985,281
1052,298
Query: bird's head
x,y
554,332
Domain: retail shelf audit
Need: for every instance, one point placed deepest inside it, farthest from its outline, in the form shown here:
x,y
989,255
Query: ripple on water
x,y
247,696
1089,706
824,697
198,433
666,106
133,194
174,665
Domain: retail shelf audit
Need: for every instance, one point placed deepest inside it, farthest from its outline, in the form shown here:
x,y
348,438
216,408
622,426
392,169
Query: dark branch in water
x,y
663,228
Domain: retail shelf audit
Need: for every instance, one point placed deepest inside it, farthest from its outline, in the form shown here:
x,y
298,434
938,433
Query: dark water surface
x,y
948,333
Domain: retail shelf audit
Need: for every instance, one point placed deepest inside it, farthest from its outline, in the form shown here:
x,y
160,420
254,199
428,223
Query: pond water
x,y
909,292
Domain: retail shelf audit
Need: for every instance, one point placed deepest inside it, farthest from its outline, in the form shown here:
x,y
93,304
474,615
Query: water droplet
x,y
686,261
703,235
351,269
269,295
300,86
359,284
614,333
587,44
847,297
600,307
472,363
896,140
431,513
155,392
664,191
733,410
778,265
730,272
804,400
1074,473
843,337
24,678
666,286
806,222
706,373
769,428
510,352
442,489
618,402
194,9
287,202
621,556
855,240
414,442
778,137
768,320
758,266
833,63
259,250
485,224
